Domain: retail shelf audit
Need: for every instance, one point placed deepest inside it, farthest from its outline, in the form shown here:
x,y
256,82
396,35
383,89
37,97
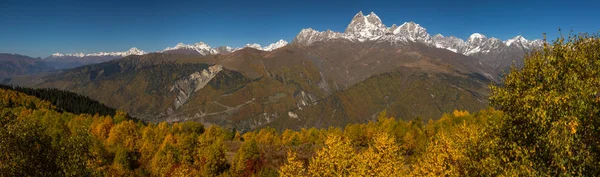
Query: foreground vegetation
x,y
545,123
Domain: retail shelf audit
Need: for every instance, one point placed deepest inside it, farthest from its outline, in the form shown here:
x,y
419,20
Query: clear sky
x,y
42,27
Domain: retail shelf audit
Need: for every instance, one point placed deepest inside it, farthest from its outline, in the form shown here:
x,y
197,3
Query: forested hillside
x,y
544,123
67,101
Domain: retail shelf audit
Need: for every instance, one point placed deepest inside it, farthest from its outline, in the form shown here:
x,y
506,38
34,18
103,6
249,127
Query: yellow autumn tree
x,y
248,160
100,128
447,153
293,167
552,108
165,159
124,134
337,158
383,158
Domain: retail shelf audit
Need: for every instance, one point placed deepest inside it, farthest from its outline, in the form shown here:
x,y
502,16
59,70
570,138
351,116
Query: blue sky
x,y
40,28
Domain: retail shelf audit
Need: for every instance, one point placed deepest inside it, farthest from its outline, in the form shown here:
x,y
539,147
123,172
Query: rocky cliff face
x,y
185,87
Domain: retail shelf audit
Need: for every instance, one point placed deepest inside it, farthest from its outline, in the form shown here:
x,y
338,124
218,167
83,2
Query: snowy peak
x,y
271,46
372,18
413,32
254,46
308,36
451,43
476,38
200,47
224,49
132,51
517,39
366,27
358,15
275,45
135,51
520,42
58,55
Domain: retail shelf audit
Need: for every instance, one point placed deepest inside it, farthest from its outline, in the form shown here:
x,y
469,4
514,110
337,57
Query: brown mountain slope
x,y
324,84
14,65
347,63
406,93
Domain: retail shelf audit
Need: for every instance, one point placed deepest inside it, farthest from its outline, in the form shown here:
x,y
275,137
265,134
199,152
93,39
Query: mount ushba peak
x,y
132,51
370,28
367,27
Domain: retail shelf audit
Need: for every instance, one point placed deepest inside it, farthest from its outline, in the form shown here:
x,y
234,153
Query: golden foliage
x,y
337,158
293,167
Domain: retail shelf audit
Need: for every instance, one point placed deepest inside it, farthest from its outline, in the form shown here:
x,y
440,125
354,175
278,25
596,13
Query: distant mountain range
x,y
65,61
73,60
14,65
320,79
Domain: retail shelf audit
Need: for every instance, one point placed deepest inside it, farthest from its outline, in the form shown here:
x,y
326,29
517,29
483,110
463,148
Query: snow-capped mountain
x,y
254,46
270,47
132,51
520,41
451,43
200,48
370,28
367,27
64,61
224,50
205,49
275,45
409,31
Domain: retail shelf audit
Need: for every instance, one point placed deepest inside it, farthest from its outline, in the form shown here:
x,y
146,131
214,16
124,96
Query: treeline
x,y
67,101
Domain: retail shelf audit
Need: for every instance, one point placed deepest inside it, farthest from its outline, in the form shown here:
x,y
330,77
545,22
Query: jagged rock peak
x,y
366,27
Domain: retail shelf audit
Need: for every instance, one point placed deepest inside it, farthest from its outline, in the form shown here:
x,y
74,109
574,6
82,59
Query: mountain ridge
x,y
370,28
